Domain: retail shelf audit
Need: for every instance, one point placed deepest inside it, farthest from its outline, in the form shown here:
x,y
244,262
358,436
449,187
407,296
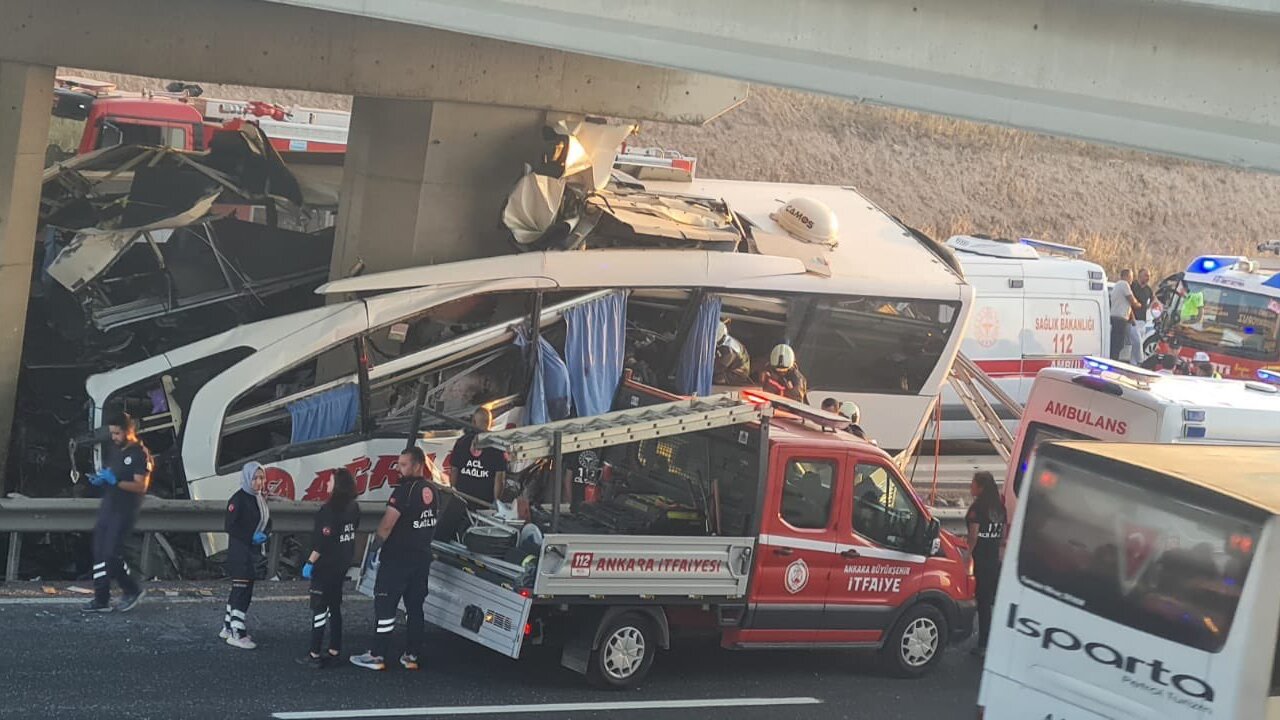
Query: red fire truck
x,y
744,514
186,121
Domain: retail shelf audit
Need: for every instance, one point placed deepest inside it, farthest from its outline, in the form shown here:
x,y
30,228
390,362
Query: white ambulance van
x,y
1116,402
1038,305
1140,583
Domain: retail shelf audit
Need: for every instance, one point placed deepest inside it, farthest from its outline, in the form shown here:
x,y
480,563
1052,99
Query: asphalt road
x,y
164,660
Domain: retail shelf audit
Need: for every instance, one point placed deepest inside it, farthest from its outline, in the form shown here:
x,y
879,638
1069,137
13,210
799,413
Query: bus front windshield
x,y
1233,322
1144,559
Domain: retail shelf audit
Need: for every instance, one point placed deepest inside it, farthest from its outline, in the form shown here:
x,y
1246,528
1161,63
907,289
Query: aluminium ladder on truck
x,y
534,442
969,381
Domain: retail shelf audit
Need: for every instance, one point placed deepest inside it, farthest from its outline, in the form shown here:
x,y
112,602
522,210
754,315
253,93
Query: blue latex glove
x,y
259,538
96,480
307,569
108,477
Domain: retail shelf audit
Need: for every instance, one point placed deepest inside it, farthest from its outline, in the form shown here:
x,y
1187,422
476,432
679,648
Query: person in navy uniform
x,y
333,545
402,545
248,525
126,478
986,521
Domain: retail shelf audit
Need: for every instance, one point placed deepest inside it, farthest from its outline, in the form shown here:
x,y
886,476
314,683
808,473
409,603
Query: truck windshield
x,y
1234,322
1148,560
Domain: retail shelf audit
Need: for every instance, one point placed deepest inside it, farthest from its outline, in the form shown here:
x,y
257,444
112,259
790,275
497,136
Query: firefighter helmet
x,y
782,357
850,409
722,332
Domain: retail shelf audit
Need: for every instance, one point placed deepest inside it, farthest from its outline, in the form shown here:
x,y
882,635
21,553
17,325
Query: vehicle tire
x,y
627,648
916,642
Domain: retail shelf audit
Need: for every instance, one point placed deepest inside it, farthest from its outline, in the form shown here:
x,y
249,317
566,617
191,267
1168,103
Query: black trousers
x,y
326,610
987,575
241,566
109,533
400,579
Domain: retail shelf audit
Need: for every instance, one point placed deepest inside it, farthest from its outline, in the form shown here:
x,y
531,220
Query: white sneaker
x,y
243,642
224,633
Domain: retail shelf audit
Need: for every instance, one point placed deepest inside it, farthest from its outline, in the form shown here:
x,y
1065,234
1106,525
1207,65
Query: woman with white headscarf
x,y
248,524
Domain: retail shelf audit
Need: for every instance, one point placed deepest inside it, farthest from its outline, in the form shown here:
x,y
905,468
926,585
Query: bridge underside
x,y
1188,78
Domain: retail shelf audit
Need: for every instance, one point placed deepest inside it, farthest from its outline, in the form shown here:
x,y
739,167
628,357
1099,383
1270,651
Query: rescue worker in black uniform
x,y
733,362
126,477
986,521
333,545
582,475
403,545
248,524
783,376
478,472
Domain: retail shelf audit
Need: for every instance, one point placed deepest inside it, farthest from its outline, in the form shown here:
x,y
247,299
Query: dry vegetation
x,y
948,176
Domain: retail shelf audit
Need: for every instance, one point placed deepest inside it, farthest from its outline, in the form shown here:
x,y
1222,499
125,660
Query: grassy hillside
x,y
950,176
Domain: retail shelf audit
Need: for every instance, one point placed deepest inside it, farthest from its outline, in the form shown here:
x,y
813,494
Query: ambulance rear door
x,y
1063,306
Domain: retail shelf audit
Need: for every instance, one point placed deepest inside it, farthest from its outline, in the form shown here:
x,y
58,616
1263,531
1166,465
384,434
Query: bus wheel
x,y
916,642
627,647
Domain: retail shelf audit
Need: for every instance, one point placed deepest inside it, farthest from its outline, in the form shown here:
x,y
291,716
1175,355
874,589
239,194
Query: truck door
x,y
879,563
797,547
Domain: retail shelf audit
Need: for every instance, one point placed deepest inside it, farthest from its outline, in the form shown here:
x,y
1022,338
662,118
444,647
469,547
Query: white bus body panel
x,y
876,256
1043,677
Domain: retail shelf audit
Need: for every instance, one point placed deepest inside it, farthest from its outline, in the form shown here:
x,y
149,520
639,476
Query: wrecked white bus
x,y
876,318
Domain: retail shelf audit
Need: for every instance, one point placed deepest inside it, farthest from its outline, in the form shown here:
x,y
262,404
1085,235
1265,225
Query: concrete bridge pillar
x,y
26,97
424,182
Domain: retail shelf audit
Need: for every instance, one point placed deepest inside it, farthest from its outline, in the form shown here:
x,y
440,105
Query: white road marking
x,y
155,599
447,710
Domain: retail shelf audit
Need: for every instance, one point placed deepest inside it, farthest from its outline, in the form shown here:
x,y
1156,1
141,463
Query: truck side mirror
x,y
930,543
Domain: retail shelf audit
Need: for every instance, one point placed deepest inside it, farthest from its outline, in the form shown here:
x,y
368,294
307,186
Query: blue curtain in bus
x,y
324,415
697,362
594,347
548,397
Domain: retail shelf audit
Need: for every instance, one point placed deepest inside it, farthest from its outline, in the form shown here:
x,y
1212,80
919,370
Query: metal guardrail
x,y
42,515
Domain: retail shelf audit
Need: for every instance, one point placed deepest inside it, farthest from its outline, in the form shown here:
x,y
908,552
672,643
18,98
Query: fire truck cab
x,y
182,121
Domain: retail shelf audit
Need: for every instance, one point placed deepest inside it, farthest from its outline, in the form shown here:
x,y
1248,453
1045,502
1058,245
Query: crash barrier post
x,y
55,515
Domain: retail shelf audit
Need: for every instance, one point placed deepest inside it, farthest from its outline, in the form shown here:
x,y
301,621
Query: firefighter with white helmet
x,y
783,376
849,409
1203,366
733,362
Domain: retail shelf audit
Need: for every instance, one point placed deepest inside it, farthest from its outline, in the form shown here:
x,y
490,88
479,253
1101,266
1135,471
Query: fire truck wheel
x,y
627,647
917,641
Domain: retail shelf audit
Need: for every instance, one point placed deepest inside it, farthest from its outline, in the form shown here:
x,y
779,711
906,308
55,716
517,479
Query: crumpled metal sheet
x,y
95,250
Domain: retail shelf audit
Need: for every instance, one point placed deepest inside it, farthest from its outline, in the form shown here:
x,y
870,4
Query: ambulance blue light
x,y
1212,263
1193,431
1271,377
1096,365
